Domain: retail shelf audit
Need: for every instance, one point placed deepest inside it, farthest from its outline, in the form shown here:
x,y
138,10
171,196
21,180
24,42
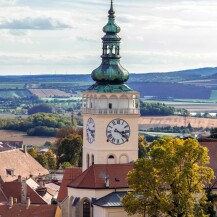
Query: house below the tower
x,y
97,192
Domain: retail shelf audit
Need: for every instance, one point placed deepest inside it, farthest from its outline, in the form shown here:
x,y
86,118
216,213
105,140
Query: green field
x,y
14,94
213,95
11,86
191,105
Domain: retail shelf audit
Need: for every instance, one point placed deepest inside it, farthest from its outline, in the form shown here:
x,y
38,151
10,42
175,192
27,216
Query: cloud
x,y
7,2
41,23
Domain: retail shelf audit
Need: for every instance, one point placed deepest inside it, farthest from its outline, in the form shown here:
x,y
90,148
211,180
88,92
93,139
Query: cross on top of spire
x,y
111,11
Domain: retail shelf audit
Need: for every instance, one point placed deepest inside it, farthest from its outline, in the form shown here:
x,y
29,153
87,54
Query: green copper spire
x,y
110,71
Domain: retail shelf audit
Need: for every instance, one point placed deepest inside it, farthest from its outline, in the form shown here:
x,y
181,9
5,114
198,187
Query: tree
x,y
42,159
70,149
155,109
66,165
47,159
142,146
33,152
165,182
51,158
45,108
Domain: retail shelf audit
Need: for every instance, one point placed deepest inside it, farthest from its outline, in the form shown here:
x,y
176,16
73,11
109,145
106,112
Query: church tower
x,y
110,108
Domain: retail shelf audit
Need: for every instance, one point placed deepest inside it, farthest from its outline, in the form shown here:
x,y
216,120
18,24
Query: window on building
x,y
86,208
88,160
92,159
110,105
111,157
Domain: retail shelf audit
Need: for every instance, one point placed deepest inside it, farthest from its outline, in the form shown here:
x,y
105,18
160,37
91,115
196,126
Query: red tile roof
x,y
3,198
94,176
32,211
13,189
212,147
22,163
69,175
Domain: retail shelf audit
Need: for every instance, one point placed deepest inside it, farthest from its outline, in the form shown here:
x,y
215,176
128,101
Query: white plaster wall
x,y
98,211
91,193
102,102
101,149
114,100
110,212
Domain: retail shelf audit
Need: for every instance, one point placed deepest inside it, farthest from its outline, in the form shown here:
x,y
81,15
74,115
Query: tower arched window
x,y
111,159
88,160
86,208
92,159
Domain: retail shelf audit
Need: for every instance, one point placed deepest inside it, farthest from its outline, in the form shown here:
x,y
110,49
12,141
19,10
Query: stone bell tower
x,y
110,108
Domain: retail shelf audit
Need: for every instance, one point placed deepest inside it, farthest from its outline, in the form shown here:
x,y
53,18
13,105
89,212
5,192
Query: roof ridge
x,y
10,150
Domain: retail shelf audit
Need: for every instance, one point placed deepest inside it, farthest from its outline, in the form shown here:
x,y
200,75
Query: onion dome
x,y
110,71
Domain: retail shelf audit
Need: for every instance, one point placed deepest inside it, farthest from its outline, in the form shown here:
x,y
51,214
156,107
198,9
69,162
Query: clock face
x,y
118,131
90,130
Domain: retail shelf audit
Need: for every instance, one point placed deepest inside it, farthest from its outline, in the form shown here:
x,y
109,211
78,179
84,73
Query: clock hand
x,y
123,133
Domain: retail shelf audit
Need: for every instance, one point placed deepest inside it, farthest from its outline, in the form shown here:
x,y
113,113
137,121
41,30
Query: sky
x,y
64,36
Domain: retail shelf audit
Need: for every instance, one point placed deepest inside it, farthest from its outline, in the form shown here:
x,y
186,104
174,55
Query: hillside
x,y
175,76
186,84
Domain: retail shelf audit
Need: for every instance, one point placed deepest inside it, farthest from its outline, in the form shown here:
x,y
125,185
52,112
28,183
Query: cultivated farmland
x,y
50,93
7,135
151,122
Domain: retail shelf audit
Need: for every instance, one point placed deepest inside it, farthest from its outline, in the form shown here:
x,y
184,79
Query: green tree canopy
x,y
45,108
159,109
70,149
166,181
47,159
143,146
40,124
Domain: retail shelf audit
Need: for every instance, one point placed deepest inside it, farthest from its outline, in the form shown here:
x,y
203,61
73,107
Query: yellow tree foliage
x,y
169,180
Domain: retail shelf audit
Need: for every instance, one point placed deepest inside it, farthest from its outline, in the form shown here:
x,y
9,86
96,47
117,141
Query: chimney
x,y
25,149
19,179
15,200
28,202
107,181
23,191
41,182
11,202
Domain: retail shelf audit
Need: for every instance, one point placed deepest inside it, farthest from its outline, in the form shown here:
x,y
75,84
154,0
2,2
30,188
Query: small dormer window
x,y
10,172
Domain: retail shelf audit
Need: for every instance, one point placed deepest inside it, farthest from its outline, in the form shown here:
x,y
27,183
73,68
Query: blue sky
x,y
64,36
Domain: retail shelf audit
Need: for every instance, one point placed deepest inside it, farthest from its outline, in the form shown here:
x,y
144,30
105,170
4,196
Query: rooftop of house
x,y
9,145
69,175
212,147
111,200
3,198
52,189
103,176
31,211
16,162
13,189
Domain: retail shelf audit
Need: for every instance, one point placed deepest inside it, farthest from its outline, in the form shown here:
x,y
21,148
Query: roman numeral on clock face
x,y
118,131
